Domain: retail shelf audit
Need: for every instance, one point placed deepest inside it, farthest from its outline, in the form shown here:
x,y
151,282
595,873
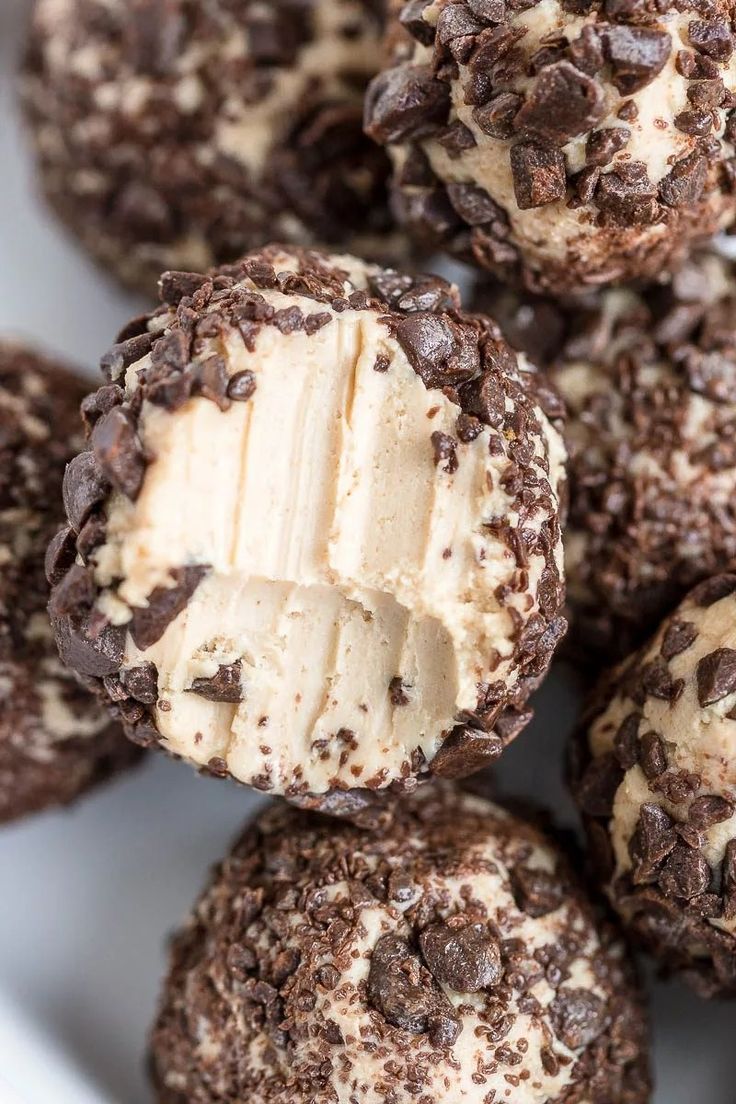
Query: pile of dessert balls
x,y
321,527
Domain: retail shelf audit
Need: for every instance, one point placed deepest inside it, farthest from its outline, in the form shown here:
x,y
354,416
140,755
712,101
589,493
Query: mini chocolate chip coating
x,y
172,134
653,775
650,384
55,741
323,505
560,145
324,963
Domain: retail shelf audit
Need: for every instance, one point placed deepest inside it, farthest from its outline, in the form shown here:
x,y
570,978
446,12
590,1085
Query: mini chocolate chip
x,y
652,841
114,363
84,487
212,381
395,989
685,873
578,1017
652,757
636,55
473,204
99,403
465,959
241,386
538,175
60,555
496,118
697,123
536,892
397,692
405,103
678,637
175,286
562,103
410,17
626,741
466,751
119,452
141,682
586,51
603,144
444,448
225,686
716,676
712,37
712,590
149,623
708,810
442,353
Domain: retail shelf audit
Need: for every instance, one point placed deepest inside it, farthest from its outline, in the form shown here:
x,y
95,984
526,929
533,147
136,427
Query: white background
x,y
88,897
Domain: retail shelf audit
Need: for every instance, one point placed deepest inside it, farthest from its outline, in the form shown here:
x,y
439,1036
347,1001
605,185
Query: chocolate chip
x,y
397,692
141,682
603,144
149,623
696,123
586,51
652,757
119,452
491,11
440,352
405,103
473,204
598,786
678,637
538,175
444,448
716,676
363,808
241,386
410,17
60,555
465,959
654,839
212,381
627,195
225,686
84,487
496,118
536,892
175,286
395,990
712,37
464,752
685,873
656,681
626,741
708,810
712,590
562,103
456,138
578,1017
636,55
99,403
115,362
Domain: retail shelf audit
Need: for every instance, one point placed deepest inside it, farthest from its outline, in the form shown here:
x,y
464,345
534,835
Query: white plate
x,y
88,897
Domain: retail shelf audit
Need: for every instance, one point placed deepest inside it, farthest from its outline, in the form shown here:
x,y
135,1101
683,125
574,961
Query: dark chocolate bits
x,y
465,959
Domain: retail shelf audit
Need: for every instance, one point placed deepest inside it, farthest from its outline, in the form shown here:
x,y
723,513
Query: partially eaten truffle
x,y
455,959
318,528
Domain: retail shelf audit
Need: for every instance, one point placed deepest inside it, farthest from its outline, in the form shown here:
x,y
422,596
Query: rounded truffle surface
x,y
454,958
331,557
654,777
172,134
559,144
55,741
648,380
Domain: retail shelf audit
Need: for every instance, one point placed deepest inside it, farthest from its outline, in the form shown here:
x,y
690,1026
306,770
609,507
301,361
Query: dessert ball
x,y
650,385
178,134
454,959
561,144
655,778
55,741
324,516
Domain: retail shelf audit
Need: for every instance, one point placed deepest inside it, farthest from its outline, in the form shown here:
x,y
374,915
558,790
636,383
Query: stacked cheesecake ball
x,y
317,535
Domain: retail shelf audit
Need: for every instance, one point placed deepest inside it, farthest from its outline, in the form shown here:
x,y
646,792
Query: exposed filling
x,y
349,602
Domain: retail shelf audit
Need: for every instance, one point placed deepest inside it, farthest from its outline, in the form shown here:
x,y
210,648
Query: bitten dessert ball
x,y
650,385
180,134
654,772
561,144
54,740
323,507
455,959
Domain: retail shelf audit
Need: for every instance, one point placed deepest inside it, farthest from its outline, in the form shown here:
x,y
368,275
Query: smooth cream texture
x,y
342,558
699,740
552,230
